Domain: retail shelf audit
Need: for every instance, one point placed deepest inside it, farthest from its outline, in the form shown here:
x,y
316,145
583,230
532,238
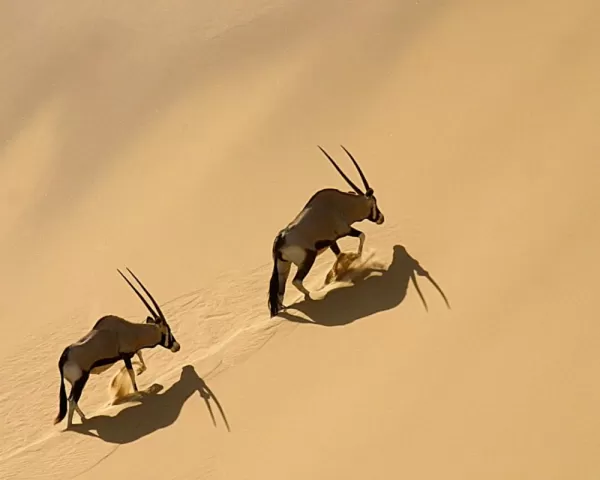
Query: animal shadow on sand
x,y
373,290
154,412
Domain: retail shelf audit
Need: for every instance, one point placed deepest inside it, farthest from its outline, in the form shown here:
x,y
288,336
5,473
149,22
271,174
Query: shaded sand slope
x,y
177,138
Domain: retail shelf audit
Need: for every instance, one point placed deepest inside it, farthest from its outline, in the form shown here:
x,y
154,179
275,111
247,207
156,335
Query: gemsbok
x,y
327,216
110,340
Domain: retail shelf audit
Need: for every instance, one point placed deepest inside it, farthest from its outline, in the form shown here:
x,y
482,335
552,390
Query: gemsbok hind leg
x,y
303,269
74,397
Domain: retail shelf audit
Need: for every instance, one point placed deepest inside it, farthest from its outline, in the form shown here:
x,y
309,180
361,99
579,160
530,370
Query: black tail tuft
x,y
274,305
62,409
274,290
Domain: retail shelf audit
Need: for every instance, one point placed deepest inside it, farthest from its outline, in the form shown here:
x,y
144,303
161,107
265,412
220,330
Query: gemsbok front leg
x,y
143,367
335,248
361,238
129,366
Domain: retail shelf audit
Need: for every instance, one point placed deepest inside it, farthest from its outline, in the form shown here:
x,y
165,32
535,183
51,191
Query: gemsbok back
x,y
327,216
110,340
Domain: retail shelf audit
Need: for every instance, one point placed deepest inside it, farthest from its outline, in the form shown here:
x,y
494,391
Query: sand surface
x,y
177,137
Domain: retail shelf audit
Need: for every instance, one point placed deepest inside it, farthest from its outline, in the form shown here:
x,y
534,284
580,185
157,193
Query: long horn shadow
x,y
154,412
368,295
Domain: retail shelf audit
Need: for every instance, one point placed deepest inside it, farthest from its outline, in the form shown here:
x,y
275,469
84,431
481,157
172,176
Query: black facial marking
x,y
167,339
375,214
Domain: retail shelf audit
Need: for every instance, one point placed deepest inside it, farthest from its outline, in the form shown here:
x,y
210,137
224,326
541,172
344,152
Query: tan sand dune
x,y
176,138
